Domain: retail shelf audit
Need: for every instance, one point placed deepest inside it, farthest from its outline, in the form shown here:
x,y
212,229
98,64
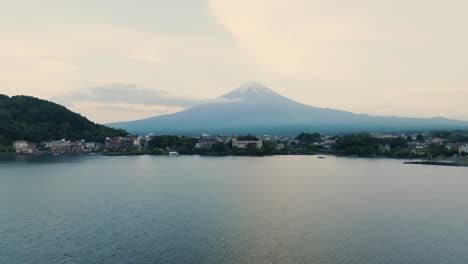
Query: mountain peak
x,y
252,91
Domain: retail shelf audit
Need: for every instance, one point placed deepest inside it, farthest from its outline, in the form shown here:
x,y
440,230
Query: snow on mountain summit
x,y
252,91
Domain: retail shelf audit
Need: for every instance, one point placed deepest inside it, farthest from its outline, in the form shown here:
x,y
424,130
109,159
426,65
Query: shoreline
x,y
437,163
407,160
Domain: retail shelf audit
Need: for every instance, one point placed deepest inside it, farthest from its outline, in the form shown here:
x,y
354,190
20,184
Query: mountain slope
x,y
36,120
253,108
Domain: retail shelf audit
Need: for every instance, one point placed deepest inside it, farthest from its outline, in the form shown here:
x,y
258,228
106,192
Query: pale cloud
x,y
126,93
117,102
293,38
349,40
45,59
115,112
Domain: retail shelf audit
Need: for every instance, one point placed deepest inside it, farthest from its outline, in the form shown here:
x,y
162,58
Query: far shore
x,y
438,163
452,162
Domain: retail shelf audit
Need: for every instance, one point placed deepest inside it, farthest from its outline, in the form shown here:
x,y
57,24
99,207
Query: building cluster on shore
x,y
81,146
401,145
121,144
420,143
133,143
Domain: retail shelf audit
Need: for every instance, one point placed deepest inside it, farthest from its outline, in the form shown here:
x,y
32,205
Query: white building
x,y
137,141
243,144
328,144
90,145
463,148
21,146
60,145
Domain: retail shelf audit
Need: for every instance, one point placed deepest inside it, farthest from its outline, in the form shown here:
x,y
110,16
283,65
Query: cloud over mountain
x,y
126,93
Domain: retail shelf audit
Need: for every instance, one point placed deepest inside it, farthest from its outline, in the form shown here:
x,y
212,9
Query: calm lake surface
x,y
190,209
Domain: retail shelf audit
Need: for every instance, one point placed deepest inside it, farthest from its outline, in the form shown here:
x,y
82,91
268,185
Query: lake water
x,y
190,209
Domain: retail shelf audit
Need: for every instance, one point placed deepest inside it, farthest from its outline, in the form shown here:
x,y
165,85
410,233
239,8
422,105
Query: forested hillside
x,y
36,120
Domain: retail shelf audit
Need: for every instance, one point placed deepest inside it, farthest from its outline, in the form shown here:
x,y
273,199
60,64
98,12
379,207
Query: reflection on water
x,y
285,209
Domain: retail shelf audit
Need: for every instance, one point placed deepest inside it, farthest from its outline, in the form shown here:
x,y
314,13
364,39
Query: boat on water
x,y
320,157
173,153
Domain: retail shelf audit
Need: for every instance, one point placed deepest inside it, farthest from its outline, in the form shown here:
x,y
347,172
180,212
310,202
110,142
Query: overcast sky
x,y
115,60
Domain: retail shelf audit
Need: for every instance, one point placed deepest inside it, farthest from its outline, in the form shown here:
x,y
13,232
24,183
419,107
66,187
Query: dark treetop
x,y
36,120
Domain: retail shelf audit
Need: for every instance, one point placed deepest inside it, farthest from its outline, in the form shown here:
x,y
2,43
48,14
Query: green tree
x,y
220,147
6,149
181,144
308,139
420,138
247,138
269,147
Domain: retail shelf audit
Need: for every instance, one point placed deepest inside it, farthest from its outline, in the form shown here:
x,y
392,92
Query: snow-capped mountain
x,y
254,91
254,108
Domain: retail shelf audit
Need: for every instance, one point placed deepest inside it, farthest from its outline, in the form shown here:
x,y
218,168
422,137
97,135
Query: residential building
x,y
328,144
60,145
206,142
21,145
145,142
437,140
463,149
32,147
243,144
205,135
113,143
90,145
385,148
137,142
78,146
99,146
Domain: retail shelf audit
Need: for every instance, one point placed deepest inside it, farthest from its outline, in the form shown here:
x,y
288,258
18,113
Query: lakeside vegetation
x,y
7,149
361,145
354,145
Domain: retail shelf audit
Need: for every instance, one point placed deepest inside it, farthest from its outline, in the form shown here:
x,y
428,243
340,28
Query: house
x,y
437,140
99,146
328,144
418,148
60,145
21,146
463,149
137,142
145,142
243,143
452,146
206,142
385,148
78,146
32,147
378,135
90,145
112,143
126,143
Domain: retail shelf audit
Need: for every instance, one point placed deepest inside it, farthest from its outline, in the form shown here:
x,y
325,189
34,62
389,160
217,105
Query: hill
x,y
254,108
36,120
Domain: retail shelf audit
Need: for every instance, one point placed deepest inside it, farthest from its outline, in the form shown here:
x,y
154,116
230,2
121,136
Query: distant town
x,y
429,145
